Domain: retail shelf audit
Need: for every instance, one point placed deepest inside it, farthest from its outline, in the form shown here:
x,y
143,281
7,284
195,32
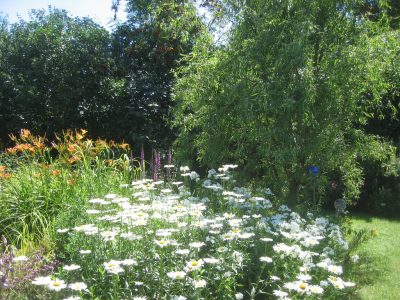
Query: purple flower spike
x,y
170,156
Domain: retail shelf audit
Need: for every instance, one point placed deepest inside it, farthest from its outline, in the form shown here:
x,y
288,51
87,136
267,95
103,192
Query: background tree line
x,y
59,72
303,94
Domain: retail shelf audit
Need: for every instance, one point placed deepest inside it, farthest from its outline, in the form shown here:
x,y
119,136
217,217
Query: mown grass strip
x,y
379,272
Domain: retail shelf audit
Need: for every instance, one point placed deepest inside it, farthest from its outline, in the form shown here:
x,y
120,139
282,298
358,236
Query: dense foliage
x,y
59,72
146,50
290,95
295,85
56,74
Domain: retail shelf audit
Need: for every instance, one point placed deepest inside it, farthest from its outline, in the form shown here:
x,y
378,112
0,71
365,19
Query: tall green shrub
x,y
292,89
147,48
54,74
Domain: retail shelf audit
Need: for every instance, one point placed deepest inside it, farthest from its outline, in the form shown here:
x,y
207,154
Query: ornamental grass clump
x,y
159,240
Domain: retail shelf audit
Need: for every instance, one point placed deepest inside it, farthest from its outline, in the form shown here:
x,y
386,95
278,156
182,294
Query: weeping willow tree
x,y
288,97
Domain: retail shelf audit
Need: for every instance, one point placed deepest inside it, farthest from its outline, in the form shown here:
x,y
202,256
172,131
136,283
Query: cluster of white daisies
x,y
176,239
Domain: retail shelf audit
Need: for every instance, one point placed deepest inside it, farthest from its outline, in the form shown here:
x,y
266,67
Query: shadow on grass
x,y
365,273
356,215
375,269
368,270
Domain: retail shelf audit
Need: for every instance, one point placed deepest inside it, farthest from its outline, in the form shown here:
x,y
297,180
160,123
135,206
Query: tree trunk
x,y
293,193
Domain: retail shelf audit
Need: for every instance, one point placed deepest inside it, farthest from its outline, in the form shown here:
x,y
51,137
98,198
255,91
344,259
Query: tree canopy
x,y
294,88
57,73
147,49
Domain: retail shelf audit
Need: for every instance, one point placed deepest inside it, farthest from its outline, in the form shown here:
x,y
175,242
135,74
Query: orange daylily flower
x,y
5,175
71,147
89,143
39,144
25,133
12,150
56,172
71,181
74,159
101,143
31,149
124,146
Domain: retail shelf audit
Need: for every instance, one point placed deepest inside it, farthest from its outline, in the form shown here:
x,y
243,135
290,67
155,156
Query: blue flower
x,y
312,169
315,169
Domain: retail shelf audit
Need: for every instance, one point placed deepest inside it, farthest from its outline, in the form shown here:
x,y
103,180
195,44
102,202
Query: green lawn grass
x,y
378,274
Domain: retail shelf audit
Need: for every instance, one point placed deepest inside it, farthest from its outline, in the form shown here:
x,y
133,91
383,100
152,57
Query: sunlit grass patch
x,y
379,269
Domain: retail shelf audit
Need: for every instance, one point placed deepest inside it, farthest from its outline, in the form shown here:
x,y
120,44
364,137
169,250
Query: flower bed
x,y
199,240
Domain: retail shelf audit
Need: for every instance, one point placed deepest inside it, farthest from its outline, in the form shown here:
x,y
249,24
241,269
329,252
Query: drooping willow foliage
x,y
295,87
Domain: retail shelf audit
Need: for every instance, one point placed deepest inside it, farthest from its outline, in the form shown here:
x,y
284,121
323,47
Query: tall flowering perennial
x,y
142,162
50,174
152,243
72,147
4,174
169,163
156,164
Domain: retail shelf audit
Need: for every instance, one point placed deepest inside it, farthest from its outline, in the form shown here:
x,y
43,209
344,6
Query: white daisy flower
x,y
182,251
316,289
42,280
178,297
194,264
199,283
176,275
78,286
239,296
303,277
338,270
162,243
56,285
71,267
266,259
197,245
128,262
280,294
113,267
211,260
